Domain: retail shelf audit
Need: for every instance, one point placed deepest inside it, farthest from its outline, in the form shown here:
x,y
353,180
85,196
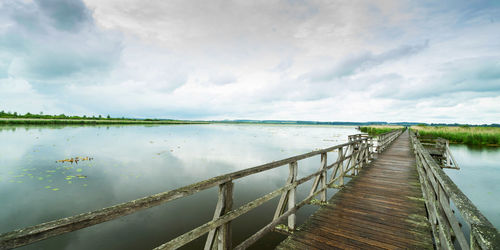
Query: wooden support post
x,y
220,238
341,174
367,151
323,176
291,197
338,170
292,176
448,162
355,155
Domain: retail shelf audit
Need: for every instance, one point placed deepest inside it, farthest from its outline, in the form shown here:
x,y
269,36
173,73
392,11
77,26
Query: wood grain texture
x,y
381,208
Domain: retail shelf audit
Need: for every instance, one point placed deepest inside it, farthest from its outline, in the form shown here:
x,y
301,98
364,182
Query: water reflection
x,y
479,177
130,162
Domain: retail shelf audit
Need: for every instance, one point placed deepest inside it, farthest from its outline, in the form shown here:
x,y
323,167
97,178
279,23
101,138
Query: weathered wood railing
x,y
351,158
439,149
385,139
438,190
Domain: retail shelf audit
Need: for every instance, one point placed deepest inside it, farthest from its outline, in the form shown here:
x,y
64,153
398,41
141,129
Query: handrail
x,y
385,139
352,157
438,189
442,146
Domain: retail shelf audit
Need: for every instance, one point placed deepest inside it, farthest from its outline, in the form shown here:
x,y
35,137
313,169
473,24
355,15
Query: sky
x,y
391,60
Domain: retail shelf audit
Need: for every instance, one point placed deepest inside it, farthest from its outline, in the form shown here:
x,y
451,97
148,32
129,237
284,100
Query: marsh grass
x,y
489,136
378,129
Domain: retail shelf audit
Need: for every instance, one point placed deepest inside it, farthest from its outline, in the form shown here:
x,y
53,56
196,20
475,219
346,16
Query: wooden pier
x,y
381,208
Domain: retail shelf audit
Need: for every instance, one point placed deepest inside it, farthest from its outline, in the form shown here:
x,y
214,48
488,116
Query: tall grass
x,y
378,129
467,135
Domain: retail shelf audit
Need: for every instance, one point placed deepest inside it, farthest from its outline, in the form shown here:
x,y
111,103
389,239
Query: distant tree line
x,y
28,115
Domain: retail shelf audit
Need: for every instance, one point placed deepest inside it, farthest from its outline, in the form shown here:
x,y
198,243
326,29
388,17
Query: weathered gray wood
x,y
199,231
224,231
428,202
441,190
252,239
291,198
280,209
445,204
323,177
221,236
341,164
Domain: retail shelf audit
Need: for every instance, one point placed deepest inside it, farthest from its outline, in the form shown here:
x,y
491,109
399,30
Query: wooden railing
x,y
439,191
385,139
351,158
439,149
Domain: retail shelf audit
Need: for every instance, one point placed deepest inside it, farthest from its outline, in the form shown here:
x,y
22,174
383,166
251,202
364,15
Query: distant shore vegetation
x,y
379,129
14,118
470,135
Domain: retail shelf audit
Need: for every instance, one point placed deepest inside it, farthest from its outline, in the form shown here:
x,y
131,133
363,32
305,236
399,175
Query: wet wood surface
x,y
382,208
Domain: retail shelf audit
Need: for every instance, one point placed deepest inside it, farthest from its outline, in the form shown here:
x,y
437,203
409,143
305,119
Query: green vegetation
x,y
376,130
463,134
8,118
28,115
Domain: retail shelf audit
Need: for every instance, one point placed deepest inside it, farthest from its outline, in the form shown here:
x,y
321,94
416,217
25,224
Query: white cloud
x,y
299,60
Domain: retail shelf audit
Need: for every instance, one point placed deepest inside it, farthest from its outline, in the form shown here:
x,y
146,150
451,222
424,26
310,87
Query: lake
x,y
120,163
479,177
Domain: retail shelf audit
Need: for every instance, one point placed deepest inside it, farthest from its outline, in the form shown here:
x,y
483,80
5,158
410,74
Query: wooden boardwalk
x,y
381,208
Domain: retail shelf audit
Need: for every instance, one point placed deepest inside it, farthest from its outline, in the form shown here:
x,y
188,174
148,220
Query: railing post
x,y
355,155
323,177
367,151
291,197
220,238
341,166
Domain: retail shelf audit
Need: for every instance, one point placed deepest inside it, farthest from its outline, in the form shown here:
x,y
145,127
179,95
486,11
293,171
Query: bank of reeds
x,y
378,129
464,134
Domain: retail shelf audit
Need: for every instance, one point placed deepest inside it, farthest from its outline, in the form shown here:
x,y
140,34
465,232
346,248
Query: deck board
x,y
381,208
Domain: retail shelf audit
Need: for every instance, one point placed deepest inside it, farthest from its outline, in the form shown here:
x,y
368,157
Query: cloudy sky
x,y
429,61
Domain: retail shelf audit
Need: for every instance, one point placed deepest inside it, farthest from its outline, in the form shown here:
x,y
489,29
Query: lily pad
x,y
55,189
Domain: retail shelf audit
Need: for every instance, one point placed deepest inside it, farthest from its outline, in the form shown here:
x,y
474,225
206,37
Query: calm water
x,y
129,162
479,178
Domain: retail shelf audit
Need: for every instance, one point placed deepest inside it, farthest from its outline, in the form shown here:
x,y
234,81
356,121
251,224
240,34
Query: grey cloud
x,y
67,15
478,77
54,40
361,62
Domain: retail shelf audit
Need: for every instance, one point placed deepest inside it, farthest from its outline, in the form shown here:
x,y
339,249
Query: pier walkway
x,y
381,208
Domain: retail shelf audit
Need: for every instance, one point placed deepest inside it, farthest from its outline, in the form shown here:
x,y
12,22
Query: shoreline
x,y
42,121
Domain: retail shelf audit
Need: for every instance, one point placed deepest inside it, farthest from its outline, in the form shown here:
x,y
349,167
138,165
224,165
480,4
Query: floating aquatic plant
x,y
76,159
